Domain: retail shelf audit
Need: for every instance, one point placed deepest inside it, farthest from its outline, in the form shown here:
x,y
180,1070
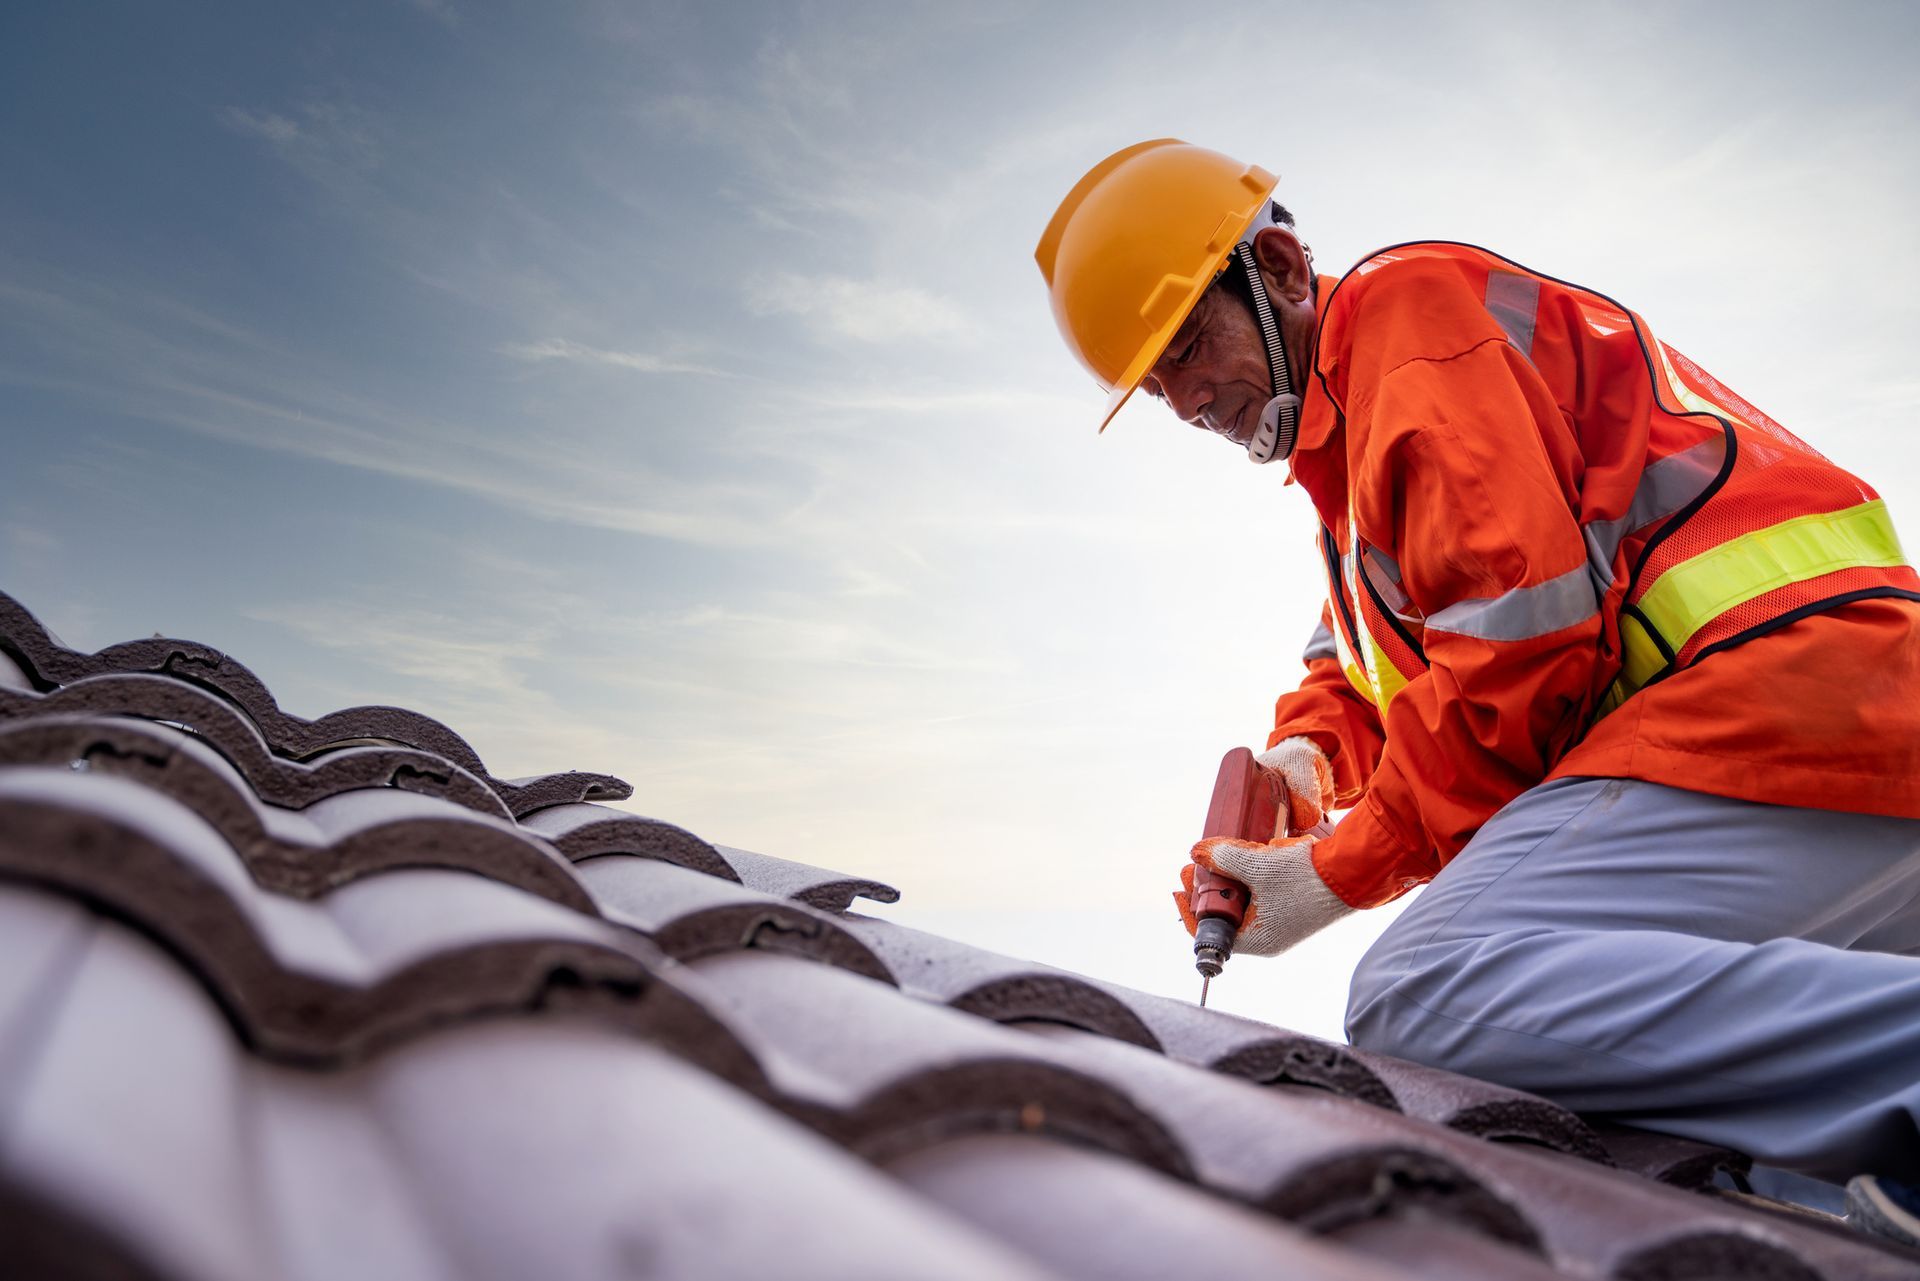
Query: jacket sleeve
x,y
1463,459
1328,710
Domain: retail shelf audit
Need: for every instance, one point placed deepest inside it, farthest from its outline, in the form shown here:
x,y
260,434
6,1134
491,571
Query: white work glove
x,y
1286,899
1306,778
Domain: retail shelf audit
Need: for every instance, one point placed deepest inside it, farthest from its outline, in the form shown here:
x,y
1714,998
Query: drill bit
x,y
1205,981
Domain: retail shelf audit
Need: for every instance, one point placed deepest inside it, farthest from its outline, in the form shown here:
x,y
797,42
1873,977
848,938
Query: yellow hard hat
x,y
1135,244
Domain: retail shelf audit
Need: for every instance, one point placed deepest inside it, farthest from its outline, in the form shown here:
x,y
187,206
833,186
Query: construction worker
x,y
1623,671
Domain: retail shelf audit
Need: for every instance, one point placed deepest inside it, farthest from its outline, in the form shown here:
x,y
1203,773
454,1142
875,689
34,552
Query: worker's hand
x,y
1306,779
1287,900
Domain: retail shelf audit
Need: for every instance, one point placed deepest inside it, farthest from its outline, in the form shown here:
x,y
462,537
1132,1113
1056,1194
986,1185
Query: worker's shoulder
x,y
1413,267
1425,296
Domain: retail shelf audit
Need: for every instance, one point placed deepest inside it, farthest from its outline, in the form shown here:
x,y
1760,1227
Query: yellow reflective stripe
x,y
1361,685
1696,591
1640,660
1388,680
1356,675
1370,672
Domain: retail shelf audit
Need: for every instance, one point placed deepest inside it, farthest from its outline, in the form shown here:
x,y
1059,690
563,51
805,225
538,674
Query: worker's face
x,y
1214,373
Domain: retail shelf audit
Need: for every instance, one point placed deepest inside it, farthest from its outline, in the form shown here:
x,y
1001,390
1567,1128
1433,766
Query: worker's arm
x,y
1336,718
1456,456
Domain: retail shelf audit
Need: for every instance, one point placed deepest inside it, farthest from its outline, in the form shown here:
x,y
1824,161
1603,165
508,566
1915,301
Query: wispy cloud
x,y
270,125
149,357
414,643
441,11
327,140
29,547
873,311
1001,402
597,493
826,637
645,362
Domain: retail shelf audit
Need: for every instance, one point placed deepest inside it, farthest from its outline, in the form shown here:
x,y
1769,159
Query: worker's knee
x,y
1505,1005
1397,1003
1390,1022
1379,1017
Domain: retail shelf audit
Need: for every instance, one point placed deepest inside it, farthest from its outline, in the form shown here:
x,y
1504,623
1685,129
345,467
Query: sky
x,y
667,389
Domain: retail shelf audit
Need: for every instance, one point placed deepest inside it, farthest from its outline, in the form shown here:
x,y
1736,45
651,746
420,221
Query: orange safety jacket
x,y
1556,546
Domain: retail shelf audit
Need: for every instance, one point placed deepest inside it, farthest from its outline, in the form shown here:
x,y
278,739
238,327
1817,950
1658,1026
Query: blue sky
x,y
668,389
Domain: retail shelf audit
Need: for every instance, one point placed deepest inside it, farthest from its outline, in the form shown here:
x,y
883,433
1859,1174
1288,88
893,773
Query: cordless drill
x,y
1246,805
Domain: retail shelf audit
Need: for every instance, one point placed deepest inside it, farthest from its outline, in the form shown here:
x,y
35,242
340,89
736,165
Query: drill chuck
x,y
1212,945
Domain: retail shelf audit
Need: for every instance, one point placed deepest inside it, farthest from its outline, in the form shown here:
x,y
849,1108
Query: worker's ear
x,y
1284,262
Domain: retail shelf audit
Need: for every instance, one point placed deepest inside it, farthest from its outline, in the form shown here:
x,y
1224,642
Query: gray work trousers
x,y
1737,973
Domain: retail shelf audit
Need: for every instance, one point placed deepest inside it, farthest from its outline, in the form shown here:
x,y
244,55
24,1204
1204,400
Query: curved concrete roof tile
x,y
1064,1204
582,830
49,663
337,838
997,987
883,1074
274,779
815,886
325,981
149,1143
689,915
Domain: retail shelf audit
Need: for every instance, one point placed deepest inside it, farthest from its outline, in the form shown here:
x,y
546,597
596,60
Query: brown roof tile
x,y
48,664
541,1146
274,779
688,914
1090,1214
293,999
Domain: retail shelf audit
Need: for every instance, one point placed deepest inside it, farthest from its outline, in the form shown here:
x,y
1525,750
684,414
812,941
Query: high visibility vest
x,y
1734,528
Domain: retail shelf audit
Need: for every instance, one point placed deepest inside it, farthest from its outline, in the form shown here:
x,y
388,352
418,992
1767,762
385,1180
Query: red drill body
x,y
1246,806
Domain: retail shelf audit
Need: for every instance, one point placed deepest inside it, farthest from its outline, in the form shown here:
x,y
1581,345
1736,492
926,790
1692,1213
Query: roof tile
x,y
1087,1213
274,779
580,830
321,982
293,999
49,664
541,1147
688,914
998,987
815,886
340,835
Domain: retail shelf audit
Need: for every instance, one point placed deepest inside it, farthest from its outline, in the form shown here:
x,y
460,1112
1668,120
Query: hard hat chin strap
x,y
1280,419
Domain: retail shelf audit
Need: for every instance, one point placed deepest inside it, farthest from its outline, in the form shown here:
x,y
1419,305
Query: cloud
x,y
441,11
1000,403
484,673
151,358
598,493
272,126
414,643
827,638
30,547
873,311
334,143
645,362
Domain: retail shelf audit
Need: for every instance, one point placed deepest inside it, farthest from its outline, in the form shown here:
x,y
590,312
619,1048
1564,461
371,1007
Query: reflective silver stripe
x,y
1665,487
1514,301
1524,612
1384,574
1599,559
1320,644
